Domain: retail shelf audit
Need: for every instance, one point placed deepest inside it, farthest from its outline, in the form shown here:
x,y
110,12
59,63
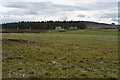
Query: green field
x,y
71,54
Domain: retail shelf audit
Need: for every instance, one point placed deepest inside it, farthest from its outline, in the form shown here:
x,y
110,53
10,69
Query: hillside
x,y
36,27
90,24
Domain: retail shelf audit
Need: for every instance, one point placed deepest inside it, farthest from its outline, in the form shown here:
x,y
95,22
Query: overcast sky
x,y
41,10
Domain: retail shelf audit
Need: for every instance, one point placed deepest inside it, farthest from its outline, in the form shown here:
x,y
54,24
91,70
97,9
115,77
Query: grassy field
x,y
70,54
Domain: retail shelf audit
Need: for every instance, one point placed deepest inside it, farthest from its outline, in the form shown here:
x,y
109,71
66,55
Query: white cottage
x,y
58,28
73,28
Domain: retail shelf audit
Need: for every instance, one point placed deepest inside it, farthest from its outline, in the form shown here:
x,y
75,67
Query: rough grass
x,y
70,54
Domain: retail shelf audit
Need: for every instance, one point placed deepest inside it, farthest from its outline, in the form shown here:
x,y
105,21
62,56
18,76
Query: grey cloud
x,y
64,18
41,8
49,5
21,12
49,9
80,15
110,15
114,19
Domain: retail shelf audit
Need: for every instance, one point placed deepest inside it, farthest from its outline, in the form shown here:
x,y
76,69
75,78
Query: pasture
x,y
71,54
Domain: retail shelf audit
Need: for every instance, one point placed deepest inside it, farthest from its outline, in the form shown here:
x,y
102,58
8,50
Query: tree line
x,y
44,25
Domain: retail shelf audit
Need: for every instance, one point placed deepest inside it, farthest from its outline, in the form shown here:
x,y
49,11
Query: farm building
x,y
58,28
73,28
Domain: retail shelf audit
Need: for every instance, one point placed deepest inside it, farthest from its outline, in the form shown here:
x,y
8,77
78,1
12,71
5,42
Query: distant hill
x,y
97,25
53,24
40,25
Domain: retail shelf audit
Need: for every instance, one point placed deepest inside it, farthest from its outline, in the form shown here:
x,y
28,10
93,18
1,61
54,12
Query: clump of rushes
x,y
81,61
65,68
101,58
83,74
32,72
105,75
20,68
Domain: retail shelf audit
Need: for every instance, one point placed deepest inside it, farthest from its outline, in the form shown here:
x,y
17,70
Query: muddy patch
x,y
17,41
